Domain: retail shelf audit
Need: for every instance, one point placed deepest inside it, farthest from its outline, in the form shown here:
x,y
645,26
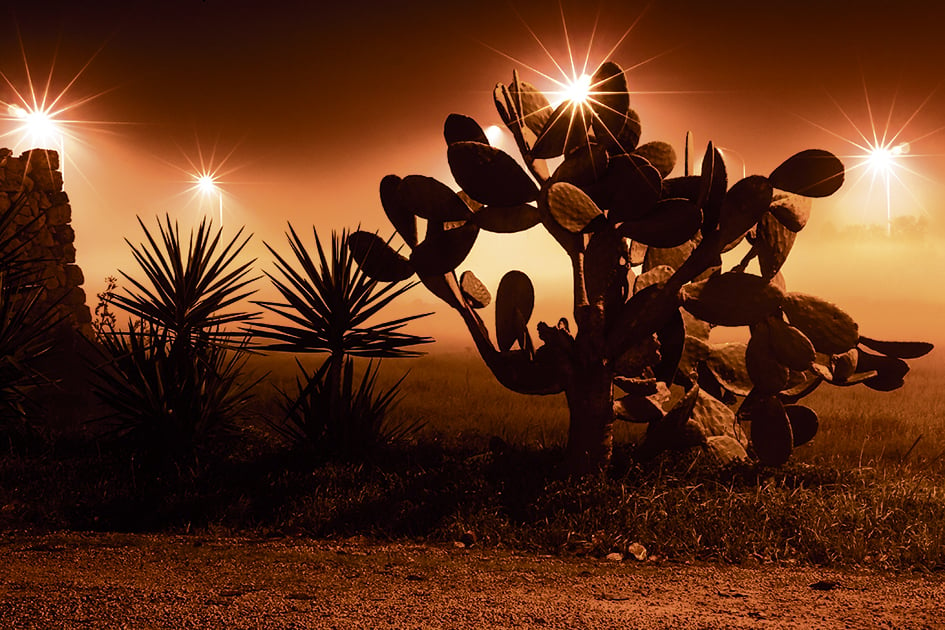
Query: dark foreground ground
x,y
160,581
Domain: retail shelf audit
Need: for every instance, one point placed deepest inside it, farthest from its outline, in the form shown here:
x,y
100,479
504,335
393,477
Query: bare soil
x,y
157,581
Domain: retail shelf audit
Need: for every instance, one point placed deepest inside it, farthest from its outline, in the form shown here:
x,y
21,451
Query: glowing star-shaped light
x,y
39,125
207,176
575,83
40,118
206,183
881,154
882,159
578,90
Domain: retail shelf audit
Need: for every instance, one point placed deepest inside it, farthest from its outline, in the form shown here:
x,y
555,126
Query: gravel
x,y
85,580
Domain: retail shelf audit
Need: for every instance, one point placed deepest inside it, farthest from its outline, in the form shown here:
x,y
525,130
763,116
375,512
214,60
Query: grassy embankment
x,y
864,492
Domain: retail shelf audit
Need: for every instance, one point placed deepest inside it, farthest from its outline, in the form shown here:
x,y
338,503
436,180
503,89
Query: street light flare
x,y
206,183
37,123
578,90
883,158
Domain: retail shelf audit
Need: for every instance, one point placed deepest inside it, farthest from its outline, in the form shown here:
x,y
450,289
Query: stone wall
x,y
41,230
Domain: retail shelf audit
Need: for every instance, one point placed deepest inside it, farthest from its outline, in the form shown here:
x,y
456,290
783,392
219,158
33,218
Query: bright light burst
x,y
882,159
206,183
39,118
574,79
578,90
494,134
881,154
205,176
38,124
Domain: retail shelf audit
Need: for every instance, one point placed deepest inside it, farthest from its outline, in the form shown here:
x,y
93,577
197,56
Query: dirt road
x,y
143,581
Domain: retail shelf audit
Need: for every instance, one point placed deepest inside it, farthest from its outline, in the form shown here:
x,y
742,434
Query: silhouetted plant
x,y
361,425
330,303
27,321
16,228
174,377
164,402
105,319
26,335
186,294
612,207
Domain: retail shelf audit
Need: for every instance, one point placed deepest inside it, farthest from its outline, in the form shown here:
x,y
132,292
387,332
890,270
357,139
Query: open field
x,y
454,393
860,495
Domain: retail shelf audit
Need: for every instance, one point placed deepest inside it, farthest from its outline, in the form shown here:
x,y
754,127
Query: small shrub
x,y
174,377
361,423
329,302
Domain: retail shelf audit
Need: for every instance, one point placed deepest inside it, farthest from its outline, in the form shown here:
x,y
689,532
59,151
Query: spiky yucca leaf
x,y
18,269
358,425
26,327
329,301
185,292
165,397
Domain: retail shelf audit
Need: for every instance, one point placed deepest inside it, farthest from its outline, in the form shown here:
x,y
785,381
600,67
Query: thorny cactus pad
x,y
648,279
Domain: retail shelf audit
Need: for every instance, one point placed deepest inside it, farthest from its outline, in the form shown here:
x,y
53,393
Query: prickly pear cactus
x,y
648,279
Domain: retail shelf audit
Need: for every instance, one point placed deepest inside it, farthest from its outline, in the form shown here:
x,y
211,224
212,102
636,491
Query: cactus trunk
x,y
590,398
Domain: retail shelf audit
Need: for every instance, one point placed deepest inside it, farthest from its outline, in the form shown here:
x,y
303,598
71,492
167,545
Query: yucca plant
x,y
175,375
26,327
364,423
186,294
18,268
162,402
329,302
27,321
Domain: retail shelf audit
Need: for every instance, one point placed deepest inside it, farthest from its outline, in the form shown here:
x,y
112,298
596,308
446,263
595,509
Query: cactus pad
x,y
402,218
791,210
474,291
714,184
503,220
671,223
489,175
660,154
377,259
811,173
732,299
610,102
726,362
514,302
890,371
829,328
898,349
767,374
442,252
532,105
742,207
431,199
570,207
459,128
789,345
566,128
804,423
631,188
773,242
583,167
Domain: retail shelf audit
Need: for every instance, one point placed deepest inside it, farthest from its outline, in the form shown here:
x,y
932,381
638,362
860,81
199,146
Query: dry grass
x,y
456,395
861,494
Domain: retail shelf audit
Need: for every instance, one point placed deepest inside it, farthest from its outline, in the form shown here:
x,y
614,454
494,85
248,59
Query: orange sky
x,y
314,106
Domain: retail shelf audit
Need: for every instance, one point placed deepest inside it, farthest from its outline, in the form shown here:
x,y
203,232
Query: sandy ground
x,y
144,581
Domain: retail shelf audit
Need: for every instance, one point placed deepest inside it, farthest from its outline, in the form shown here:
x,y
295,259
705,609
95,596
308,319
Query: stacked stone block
x,y
42,227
